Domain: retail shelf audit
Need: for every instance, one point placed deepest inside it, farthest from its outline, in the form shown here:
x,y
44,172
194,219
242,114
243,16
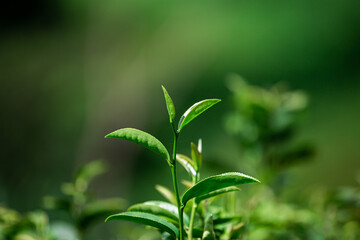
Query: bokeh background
x,y
73,71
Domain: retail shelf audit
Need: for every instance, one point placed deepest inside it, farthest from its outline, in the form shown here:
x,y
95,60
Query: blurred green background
x,y
73,71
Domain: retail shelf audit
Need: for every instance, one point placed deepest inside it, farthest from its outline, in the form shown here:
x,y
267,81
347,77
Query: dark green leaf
x,y
169,104
141,138
226,220
197,233
216,193
166,193
195,110
159,208
146,219
209,233
187,164
99,209
216,182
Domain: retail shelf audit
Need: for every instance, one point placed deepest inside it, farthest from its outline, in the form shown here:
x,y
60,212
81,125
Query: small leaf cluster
x,y
82,206
31,226
264,123
171,218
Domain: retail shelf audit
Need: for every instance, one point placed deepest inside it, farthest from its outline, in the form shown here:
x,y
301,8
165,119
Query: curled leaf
x,y
187,164
169,104
196,156
194,111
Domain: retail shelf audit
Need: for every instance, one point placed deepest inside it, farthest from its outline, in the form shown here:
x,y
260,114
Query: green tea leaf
x,y
196,156
141,138
195,110
166,193
146,219
161,209
216,193
216,182
169,104
187,164
209,233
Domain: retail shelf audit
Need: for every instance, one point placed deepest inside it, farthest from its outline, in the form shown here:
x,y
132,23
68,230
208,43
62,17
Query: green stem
x,y
195,179
173,173
192,218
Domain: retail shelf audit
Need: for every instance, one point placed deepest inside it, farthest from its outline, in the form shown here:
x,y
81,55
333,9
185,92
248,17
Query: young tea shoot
x,y
170,217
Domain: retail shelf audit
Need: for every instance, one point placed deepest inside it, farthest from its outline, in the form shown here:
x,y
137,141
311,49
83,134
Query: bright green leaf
x,y
187,164
196,156
169,104
216,182
195,110
159,208
216,193
141,138
166,193
146,219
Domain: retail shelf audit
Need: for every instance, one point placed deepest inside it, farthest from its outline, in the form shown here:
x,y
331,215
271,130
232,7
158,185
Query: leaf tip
x,y
108,218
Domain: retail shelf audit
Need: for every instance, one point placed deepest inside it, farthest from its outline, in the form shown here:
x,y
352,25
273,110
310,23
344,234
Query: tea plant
x,y
168,218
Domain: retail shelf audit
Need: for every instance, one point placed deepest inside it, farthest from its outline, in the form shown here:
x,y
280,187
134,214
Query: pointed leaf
x,y
161,209
169,104
209,233
166,193
216,193
146,219
195,110
216,182
141,138
196,156
187,164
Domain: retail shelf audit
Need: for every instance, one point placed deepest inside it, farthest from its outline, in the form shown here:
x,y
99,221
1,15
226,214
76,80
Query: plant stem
x,y
193,209
192,218
173,173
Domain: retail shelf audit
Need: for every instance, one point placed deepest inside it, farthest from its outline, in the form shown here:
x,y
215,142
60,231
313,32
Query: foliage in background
x,y
264,124
32,226
83,208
